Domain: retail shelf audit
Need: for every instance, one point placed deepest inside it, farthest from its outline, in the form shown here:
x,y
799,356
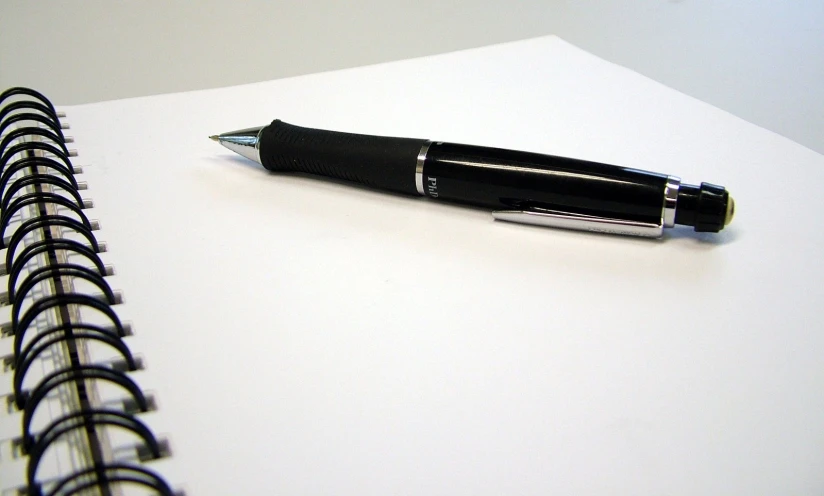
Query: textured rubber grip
x,y
376,161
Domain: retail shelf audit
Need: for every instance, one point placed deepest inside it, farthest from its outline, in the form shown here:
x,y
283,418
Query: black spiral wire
x,y
39,176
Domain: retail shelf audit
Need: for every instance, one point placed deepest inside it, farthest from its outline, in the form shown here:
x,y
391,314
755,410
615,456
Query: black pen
x,y
529,188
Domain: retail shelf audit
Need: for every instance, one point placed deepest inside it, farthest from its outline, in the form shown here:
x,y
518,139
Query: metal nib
x,y
243,142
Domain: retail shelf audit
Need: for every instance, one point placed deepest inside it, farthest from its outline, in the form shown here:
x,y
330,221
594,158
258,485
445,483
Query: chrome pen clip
x,y
582,222
598,223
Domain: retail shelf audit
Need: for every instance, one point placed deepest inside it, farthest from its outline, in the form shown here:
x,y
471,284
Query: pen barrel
x,y
506,179
376,161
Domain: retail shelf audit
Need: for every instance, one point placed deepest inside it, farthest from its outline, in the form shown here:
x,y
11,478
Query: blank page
x,y
303,336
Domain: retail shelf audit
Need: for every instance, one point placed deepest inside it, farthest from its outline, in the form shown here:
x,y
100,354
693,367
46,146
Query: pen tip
x,y
213,137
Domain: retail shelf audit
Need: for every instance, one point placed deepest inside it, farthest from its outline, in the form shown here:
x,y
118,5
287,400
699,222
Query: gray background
x,y
761,60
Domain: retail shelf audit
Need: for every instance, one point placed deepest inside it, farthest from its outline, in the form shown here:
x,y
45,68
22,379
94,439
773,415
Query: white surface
x,y
762,61
304,337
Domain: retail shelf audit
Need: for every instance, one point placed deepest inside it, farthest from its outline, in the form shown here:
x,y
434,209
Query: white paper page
x,y
307,337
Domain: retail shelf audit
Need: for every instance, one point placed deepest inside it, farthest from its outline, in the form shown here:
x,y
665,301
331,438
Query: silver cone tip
x,y
243,142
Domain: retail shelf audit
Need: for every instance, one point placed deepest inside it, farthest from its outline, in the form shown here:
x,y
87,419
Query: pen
x,y
524,187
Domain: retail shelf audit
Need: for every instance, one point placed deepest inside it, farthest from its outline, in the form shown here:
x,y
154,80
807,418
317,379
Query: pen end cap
x,y
730,211
214,137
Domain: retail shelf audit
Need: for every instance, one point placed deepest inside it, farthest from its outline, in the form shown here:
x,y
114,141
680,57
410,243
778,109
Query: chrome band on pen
x,y
419,167
670,200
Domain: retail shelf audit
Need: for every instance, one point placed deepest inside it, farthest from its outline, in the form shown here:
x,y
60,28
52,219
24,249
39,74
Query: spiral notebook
x,y
63,320
180,321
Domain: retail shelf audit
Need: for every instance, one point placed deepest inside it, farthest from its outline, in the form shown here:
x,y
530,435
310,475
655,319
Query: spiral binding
x,y
37,177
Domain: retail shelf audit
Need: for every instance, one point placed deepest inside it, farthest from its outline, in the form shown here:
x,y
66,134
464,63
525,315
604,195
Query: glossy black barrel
x,y
506,179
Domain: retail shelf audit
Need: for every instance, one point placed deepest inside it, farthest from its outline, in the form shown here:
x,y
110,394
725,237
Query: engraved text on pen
x,y
432,186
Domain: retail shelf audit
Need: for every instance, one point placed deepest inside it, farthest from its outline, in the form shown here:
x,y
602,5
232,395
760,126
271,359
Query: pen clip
x,y
582,222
